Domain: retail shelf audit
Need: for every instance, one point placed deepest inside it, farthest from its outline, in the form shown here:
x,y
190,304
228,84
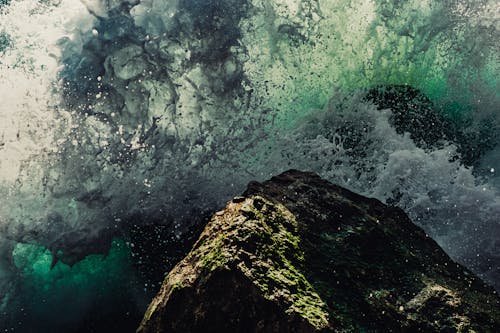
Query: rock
x,y
414,113
299,254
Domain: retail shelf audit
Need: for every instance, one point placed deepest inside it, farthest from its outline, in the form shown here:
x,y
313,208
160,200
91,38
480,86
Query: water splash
x,y
122,114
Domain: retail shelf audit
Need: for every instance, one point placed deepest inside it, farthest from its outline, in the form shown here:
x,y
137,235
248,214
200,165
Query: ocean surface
x,y
123,122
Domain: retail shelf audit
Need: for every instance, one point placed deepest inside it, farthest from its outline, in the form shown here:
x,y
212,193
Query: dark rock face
x,y
298,254
414,113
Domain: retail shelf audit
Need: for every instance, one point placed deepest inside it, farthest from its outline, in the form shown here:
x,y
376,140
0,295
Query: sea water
x,y
121,115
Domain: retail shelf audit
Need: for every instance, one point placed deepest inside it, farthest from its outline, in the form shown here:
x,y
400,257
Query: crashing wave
x,y
152,112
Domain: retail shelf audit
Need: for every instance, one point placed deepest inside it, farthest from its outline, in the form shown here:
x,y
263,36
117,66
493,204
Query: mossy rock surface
x,y
298,254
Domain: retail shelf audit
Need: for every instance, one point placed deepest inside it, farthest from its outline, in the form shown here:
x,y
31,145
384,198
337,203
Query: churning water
x,y
118,116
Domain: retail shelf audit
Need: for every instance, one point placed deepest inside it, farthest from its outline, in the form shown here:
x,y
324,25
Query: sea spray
x,y
120,114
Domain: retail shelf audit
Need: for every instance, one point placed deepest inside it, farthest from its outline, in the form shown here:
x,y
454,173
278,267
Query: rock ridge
x,y
299,254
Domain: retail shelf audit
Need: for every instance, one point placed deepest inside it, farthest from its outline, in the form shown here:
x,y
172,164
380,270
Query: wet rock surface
x,y
298,254
413,112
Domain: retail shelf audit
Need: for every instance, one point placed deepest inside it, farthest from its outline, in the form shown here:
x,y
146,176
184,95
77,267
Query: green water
x,y
296,58
442,48
62,294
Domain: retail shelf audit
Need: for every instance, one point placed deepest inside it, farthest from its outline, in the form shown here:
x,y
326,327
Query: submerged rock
x,y
414,113
298,254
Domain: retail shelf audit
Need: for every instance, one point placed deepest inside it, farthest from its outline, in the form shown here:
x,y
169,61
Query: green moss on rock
x,y
298,254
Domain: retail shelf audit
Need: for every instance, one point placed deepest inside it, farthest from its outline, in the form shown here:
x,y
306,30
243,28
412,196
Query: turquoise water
x,y
119,116
64,295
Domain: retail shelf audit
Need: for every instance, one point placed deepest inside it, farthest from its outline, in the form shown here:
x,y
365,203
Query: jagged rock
x,y
298,254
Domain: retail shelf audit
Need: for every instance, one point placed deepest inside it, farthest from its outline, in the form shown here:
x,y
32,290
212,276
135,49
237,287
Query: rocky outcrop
x,y
298,254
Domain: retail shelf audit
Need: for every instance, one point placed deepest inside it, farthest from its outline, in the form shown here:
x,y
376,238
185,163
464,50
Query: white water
x,y
116,119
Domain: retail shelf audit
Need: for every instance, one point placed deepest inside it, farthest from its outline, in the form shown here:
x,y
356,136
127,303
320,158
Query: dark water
x,y
121,121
